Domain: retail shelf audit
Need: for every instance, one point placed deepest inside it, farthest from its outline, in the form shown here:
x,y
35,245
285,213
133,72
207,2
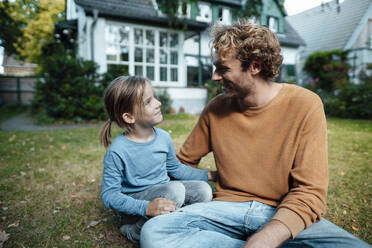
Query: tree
x,y
30,25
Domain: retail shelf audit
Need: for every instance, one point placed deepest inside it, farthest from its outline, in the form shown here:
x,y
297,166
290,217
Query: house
x,y
334,25
135,37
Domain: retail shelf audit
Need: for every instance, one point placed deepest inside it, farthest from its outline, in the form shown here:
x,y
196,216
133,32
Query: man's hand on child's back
x,y
160,206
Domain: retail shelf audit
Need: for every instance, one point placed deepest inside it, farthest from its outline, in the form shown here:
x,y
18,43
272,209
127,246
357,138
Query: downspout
x,y
95,18
200,64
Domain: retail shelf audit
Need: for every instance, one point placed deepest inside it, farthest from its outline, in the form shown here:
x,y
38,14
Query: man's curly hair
x,y
249,42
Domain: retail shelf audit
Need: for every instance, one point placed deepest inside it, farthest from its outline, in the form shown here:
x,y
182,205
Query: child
x,y
135,179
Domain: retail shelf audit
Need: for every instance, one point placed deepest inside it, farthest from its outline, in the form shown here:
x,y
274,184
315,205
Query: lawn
x,y
50,184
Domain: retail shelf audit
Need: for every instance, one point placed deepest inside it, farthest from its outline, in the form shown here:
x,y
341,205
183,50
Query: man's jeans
x,y
228,224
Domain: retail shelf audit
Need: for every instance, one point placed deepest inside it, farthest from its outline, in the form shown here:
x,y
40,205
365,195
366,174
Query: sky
x,y
292,6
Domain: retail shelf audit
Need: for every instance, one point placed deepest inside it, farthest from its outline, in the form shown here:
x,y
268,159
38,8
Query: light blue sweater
x,y
131,167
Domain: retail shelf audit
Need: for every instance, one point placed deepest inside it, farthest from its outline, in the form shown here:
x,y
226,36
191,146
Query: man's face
x,y
234,81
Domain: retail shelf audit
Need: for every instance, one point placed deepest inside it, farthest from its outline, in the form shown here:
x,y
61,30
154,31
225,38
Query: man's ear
x,y
128,118
255,67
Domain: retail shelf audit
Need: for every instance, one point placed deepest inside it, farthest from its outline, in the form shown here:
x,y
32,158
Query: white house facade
x,y
135,37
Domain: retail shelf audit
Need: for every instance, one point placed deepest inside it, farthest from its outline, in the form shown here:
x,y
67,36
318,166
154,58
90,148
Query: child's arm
x,y
180,171
112,196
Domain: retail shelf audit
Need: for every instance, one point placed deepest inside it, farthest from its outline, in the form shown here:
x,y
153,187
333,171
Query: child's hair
x,y
123,95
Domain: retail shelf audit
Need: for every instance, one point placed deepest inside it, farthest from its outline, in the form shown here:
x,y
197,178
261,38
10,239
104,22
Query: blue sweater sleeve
x,y
111,195
180,171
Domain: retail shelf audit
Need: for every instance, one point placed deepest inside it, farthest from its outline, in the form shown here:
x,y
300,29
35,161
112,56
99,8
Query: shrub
x,y
166,101
67,87
329,70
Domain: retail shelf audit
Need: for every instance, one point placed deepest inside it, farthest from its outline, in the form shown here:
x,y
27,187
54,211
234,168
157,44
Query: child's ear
x,y
128,118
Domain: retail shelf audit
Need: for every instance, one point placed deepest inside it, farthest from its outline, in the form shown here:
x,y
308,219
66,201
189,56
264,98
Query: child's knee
x,y
205,192
175,191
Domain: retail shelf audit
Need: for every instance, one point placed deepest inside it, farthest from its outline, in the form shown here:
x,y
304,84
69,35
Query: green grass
x,y
9,111
50,184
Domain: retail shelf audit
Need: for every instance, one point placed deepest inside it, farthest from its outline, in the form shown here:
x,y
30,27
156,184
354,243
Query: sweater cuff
x,y
291,220
143,208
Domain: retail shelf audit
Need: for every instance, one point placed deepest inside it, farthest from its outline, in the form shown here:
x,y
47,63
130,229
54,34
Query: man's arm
x,y
273,234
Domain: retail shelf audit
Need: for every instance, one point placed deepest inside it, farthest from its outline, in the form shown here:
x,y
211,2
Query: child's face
x,y
151,114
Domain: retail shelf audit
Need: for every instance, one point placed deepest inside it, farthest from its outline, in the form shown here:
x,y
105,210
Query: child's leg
x,y
197,191
173,190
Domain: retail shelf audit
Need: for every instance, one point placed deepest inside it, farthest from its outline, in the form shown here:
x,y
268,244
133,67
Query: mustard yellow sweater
x,y
275,154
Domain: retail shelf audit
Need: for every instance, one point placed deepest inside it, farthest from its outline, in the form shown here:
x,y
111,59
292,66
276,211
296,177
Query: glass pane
x,y
118,70
174,58
163,73
124,35
150,55
138,70
138,56
150,72
150,38
163,57
163,39
174,74
138,36
111,52
174,40
124,53
112,34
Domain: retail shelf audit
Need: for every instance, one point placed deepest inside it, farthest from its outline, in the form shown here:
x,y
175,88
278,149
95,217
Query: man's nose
x,y
216,76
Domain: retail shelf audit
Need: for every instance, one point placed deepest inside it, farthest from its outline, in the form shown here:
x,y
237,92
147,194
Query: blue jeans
x,y
180,192
229,224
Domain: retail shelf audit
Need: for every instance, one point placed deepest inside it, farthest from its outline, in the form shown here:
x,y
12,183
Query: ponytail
x,y
105,134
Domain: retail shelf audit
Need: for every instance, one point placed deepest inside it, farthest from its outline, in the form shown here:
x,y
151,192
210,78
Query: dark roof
x,y
232,3
291,37
133,10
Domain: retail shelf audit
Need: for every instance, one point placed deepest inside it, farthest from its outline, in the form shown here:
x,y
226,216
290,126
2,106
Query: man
x,y
269,142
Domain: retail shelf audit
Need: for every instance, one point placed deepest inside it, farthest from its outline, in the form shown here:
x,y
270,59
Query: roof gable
x,y
328,27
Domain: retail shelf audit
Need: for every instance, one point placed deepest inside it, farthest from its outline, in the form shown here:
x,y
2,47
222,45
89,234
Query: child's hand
x,y
160,206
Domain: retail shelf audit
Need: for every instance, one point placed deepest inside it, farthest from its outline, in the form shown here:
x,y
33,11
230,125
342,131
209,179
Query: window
x,y
204,13
144,52
224,15
370,42
273,23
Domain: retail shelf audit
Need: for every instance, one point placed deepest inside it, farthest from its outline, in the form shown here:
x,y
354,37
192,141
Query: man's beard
x,y
234,90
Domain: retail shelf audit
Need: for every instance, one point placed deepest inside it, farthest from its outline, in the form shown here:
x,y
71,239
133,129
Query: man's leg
x,y
197,191
210,224
325,234
172,190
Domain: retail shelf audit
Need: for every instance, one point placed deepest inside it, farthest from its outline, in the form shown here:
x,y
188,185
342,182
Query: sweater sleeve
x,y
180,171
111,195
198,144
305,202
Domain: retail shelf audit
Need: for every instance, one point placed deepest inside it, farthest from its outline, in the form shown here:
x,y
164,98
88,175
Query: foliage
x,y
251,8
10,30
329,69
113,71
214,88
166,101
31,25
67,87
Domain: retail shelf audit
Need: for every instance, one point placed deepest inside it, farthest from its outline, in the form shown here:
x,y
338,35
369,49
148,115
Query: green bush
x,y
328,70
67,87
166,101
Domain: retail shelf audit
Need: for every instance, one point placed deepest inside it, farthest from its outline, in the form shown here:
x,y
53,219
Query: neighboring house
x,y
334,25
134,35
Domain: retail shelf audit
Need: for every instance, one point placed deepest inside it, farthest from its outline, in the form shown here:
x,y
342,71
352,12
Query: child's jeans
x,y
181,192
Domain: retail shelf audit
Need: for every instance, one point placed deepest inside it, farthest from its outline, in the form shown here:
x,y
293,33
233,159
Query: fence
x,y
16,90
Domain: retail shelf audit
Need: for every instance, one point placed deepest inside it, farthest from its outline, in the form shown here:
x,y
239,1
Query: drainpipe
x,y
95,18
200,64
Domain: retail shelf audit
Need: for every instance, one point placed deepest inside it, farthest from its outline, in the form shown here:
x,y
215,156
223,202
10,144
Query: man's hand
x,y
212,176
160,206
272,235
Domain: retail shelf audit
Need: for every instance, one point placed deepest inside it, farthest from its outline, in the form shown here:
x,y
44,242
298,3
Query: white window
x,y
145,52
272,23
180,12
370,41
224,15
204,12
254,19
